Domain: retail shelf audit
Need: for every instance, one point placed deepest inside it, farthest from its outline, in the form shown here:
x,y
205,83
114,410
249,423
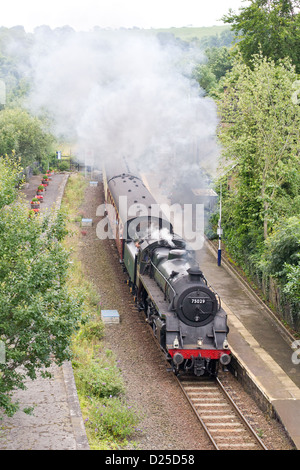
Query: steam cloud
x,y
119,94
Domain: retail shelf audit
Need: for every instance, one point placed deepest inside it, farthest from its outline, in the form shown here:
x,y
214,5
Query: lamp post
x,y
219,229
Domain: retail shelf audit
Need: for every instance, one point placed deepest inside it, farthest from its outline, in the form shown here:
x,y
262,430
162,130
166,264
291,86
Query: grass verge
x,y
110,422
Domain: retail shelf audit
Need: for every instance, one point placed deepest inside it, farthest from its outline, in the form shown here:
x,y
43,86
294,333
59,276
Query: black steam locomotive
x,y
184,312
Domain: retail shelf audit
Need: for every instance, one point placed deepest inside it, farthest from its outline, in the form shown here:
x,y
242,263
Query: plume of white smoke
x,y
122,94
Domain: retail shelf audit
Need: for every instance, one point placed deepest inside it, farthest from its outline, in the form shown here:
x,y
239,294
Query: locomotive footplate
x,y
155,294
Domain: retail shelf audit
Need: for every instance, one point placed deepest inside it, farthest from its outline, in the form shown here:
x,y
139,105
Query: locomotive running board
x,y
155,294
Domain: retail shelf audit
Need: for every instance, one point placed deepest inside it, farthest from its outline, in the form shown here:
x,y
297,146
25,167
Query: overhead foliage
x,y
260,137
219,62
283,248
272,26
24,136
259,132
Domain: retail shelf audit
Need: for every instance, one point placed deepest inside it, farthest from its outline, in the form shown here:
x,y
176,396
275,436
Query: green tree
x,y
281,260
283,248
38,313
226,38
272,26
260,138
25,136
219,62
292,286
16,85
205,77
9,176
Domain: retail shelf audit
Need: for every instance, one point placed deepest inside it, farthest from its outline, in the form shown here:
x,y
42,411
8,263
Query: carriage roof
x,y
139,199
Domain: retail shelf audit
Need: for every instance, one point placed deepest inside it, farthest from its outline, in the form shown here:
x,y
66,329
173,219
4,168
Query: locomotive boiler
x,y
183,310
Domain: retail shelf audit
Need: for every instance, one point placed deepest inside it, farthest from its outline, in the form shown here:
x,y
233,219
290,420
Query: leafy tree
x,y
260,137
225,38
15,47
24,135
272,26
38,312
281,260
283,248
292,286
205,77
9,171
219,62
16,85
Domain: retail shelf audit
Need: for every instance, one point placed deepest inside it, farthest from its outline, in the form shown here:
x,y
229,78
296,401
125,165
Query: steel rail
x,y
233,404
240,414
198,416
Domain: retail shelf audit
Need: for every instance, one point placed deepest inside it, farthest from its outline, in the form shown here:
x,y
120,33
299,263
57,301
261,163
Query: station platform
x,y
257,343
261,348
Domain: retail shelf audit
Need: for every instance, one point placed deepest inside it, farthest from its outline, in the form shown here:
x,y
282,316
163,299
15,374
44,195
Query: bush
x,y
94,329
64,166
100,379
283,248
112,418
292,287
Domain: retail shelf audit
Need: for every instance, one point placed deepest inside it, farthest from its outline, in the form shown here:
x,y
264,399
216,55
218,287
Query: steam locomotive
x,y
164,277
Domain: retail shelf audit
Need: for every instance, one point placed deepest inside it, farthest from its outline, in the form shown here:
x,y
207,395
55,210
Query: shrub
x,y
100,378
292,287
94,329
64,166
282,248
112,418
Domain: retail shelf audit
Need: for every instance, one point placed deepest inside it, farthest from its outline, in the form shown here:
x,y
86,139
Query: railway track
x,y
221,419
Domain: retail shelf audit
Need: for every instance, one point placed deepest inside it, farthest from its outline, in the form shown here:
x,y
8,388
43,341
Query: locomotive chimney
x,y
195,274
